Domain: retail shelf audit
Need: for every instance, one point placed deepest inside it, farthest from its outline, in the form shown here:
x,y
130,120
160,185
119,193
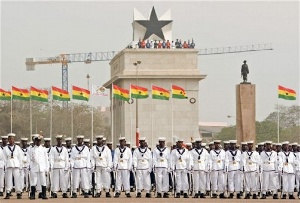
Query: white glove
x,y
108,170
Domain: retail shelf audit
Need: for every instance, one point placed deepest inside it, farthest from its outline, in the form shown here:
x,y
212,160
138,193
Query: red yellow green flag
x,y
120,93
160,93
80,93
4,95
38,94
178,92
60,94
138,92
285,93
20,94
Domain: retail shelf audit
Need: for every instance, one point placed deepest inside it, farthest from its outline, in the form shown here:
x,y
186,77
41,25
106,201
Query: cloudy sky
x,y
47,28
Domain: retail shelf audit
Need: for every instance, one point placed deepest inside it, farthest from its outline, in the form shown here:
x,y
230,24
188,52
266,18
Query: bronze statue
x,y
244,71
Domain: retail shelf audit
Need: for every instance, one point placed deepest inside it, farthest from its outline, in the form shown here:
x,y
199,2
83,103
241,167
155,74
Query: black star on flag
x,y
161,93
3,94
81,93
140,92
39,94
21,94
60,95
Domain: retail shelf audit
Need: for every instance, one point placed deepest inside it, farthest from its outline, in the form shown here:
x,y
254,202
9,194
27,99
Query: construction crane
x,y
65,59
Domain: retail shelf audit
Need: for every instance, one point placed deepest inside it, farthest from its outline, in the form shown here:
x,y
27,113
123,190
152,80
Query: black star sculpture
x,y
154,26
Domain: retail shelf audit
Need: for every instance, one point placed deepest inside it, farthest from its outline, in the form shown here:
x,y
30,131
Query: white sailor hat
x,y
250,142
180,140
142,139
134,147
161,139
34,135
188,144
198,139
58,136
277,144
285,142
17,142
268,142
80,136
294,144
226,142
11,135
24,139
256,146
0,141
68,139
206,147
30,142
63,143
39,137
203,144
128,142
122,138
243,143
86,140
217,141
211,143
99,136
232,141
47,139
95,142
261,144
118,145
104,138
73,145
109,143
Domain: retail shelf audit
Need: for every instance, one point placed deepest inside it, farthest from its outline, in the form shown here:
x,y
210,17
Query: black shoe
x,y
207,193
214,195
148,195
54,195
108,195
263,196
74,195
166,195
181,193
86,195
7,196
44,191
254,196
185,195
90,192
291,197
158,195
230,196
196,195
97,195
64,195
19,196
283,196
222,196
1,194
177,195
138,195
32,193
238,196
275,196
40,195
117,195
202,195
128,195
131,190
247,196
269,193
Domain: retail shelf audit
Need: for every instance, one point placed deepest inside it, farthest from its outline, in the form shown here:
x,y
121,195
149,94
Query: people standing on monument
x,y
122,165
192,46
185,45
159,44
148,45
168,44
155,44
164,44
244,71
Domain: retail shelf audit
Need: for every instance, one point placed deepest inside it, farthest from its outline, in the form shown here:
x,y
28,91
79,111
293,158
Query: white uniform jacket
x,y
286,162
180,159
233,159
142,159
38,159
269,161
251,161
80,157
2,159
101,157
200,159
25,161
59,158
13,156
161,158
217,159
123,159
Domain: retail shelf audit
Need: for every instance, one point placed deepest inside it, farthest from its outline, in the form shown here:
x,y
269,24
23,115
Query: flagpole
x,y
152,123
51,114
112,114
172,119
72,121
92,119
11,96
130,109
277,121
30,112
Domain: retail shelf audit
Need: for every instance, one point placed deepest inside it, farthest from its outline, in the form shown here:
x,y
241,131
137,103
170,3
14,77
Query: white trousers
x,y
2,174
102,178
298,180
143,180
67,178
122,178
251,182
37,179
80,175
208,181
181,180
268,182
9,174
199,179
217,181
58,180
288,183
24,178
242,177
162,180
234,181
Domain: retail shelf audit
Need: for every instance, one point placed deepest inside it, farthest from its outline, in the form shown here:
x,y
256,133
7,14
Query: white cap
x,y
73,145
24,139
80,136
226,142
294,143
86,140
203,144
34,135
256,146
180,140
134,147
188,144
59,136
68,139
122,138
11,135
233,141
39,137
161,139
0,141
142,139
109,143
210,143
63,143
95,142
268,142
277,144
250,142
243,143
207,147
217,141
198,139
17,142
4,136
104,138
285,142
261,143
47,139
99,136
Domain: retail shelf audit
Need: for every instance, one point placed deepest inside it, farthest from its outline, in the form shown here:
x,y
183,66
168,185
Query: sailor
x,y
142,167
122,165
217,163
86,142
2,166
200,166
226,145
180,163
251,164
39,166
67,173
101,160
59,163
286,166
25,164
297,170
80,161
4,141
47,148
161,165
269,170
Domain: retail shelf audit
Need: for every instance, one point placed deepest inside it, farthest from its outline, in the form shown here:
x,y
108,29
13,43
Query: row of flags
x,y
139,92
42,94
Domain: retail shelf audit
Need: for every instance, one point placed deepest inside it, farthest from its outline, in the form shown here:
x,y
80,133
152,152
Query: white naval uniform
x,y
68,173
217,163
200,166
180,163
161,163
59,164
39,165
233,159
251,163
13,166
25,166
80,162
297,170
142,162
101,160
2,166
286,165
123,165
269,170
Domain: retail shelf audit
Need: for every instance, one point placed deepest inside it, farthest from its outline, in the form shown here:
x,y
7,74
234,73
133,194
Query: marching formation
x,y
190,169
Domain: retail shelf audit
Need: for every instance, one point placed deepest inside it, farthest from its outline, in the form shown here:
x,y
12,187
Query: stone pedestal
x,y
245,112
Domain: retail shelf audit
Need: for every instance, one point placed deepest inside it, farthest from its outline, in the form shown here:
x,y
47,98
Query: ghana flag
x,y
60,94
286,93
178,92
20,94
160,93
120,93
5,95
138,92
38,94
80,93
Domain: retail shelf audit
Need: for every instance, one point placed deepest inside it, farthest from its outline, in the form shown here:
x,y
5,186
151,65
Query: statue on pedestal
x,y
244,71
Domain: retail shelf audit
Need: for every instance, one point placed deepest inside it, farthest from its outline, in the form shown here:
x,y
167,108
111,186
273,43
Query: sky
x,y
49,28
